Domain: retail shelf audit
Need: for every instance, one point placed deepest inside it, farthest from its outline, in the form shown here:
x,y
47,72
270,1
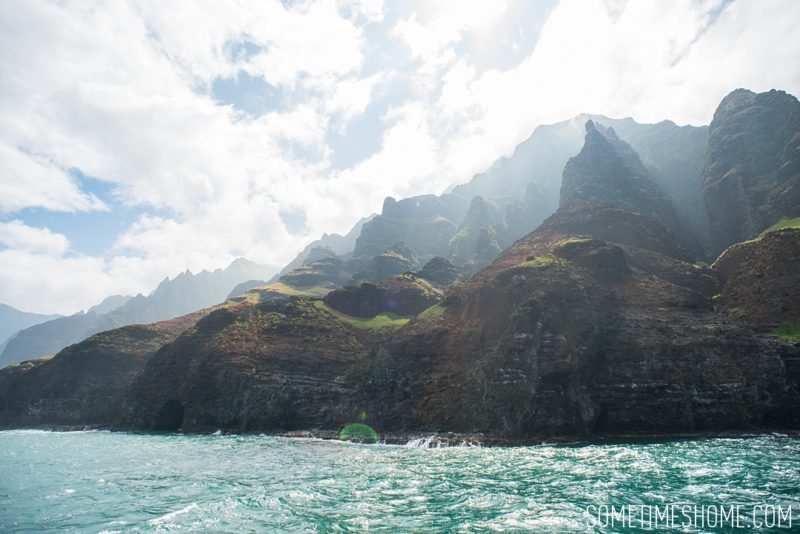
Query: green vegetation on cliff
x,y
434,313
572,241
278,289
541,261
780,225
382,321
787,332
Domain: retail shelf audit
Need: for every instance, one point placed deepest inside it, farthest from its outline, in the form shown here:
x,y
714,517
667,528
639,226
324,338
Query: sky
x,y
140,139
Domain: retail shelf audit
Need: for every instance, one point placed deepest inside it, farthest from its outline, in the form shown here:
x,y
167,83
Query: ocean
x,y
128,482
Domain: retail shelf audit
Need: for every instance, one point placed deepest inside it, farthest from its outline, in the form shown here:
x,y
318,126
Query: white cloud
x,y
351,96
441,23
17,235
369,10
29,181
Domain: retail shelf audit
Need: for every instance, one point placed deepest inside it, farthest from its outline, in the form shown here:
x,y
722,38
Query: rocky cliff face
x,y
674,155
396,259
563,335
250,367
84,383
475,244
752,168
559,339
762,280
322,268
440,272
424,223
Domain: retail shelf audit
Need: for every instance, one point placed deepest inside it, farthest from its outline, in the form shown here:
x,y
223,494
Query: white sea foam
x,y
436,442
170,516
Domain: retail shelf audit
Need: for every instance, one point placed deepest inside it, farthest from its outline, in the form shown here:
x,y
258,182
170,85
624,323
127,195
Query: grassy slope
x,y
258,294
382,321
787,332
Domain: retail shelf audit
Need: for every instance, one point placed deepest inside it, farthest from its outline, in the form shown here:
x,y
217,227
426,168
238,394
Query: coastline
x,y
450,439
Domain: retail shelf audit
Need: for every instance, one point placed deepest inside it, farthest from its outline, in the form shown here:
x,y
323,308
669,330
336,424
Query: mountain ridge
x,y
596,323
185,293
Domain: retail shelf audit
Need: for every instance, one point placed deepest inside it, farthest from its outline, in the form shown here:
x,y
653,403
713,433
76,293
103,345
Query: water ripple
x,y
100,481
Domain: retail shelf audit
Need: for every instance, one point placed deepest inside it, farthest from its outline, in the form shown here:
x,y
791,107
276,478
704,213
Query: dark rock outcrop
x,y
762,279
618,226
328,272
439,272
752,168
395,260
425,223
402,295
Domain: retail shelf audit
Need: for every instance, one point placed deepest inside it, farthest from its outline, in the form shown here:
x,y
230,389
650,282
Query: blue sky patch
x,y
247,93
293,220
91,233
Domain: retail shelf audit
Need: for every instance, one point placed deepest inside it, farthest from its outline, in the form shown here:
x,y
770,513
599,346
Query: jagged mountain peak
x,y
608,171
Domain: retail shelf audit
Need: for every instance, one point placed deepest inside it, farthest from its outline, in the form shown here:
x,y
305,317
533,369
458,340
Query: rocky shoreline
x,y
434,440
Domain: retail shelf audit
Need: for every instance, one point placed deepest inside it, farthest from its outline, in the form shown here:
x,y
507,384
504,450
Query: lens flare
x,y
359,433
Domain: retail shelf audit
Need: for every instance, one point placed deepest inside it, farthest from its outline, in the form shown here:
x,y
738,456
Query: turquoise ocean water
x,y
103,481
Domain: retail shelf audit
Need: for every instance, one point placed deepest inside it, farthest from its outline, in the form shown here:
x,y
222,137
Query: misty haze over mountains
x,y
530,302
469,226
649,286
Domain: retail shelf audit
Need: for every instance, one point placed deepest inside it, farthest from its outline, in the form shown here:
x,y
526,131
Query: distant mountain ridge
x,y
174,297
13,320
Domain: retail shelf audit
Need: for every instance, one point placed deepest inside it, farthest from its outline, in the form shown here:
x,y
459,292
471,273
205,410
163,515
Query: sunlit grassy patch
x,y
537,262
260,294
780,225
787,331
382,321
434,313
296,291
572,241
